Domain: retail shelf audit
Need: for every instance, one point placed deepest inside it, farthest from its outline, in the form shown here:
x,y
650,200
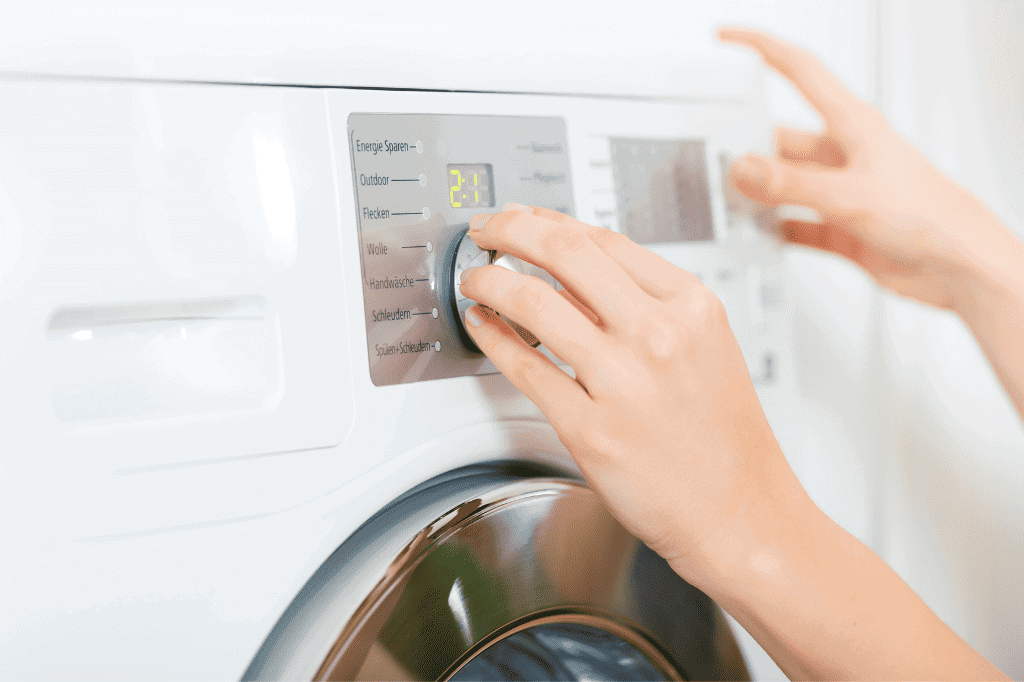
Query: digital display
x,y
662,191
470,185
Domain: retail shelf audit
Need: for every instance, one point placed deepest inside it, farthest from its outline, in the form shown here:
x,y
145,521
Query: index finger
x,y
652,273
819,85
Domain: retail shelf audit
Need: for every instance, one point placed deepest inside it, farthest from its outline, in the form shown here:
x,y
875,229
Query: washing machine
x,y
245,435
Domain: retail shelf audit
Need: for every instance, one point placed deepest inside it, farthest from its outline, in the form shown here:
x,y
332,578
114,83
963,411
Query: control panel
x,y
418,180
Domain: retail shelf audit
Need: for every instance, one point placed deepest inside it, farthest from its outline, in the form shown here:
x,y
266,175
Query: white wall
x,y
952,510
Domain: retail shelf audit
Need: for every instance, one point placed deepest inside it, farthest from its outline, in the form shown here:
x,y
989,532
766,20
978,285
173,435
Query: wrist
x,y
983,261
753,535
825,607
992,278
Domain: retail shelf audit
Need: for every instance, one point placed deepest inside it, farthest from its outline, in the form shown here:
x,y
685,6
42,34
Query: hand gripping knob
x,y
469,255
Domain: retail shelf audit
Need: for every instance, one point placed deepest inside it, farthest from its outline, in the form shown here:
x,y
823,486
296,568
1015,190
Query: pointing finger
x,y
652,273
822,89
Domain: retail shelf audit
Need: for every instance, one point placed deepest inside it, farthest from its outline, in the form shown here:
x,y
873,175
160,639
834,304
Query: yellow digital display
x,y
470,185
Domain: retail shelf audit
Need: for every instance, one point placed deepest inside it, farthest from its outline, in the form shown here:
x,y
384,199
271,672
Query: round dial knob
x,y
469,255
518,265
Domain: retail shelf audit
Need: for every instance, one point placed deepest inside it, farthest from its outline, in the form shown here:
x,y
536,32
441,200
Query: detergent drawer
x,y
172,287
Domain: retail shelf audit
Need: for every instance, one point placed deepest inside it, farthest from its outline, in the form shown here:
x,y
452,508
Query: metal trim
x,y
629,634
519,550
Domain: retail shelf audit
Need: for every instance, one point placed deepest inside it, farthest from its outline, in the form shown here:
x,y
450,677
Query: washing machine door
x,y
498,575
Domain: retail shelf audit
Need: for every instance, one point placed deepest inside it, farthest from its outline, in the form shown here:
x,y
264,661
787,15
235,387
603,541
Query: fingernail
x,y
513,206
750,169
477,222
473,318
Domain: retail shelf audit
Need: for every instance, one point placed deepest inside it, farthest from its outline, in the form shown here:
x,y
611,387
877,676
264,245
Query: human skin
x,y
662,417
887,208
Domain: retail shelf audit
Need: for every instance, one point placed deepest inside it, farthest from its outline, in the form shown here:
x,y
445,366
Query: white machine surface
x,y
228,337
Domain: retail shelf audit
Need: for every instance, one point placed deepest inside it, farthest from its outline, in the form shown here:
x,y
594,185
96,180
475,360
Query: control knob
x,y
468,255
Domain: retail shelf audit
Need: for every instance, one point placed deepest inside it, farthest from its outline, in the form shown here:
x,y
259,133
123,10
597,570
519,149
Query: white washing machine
x,y
244,435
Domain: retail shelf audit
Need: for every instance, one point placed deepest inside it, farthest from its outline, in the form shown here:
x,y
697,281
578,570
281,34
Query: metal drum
x,y
524,577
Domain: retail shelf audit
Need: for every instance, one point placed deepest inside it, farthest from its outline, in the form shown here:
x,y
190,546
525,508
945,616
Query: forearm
x,y
992,306
825,607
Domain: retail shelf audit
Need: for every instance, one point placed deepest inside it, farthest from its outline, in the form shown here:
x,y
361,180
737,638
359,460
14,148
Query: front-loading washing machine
x,y
492,572
245,435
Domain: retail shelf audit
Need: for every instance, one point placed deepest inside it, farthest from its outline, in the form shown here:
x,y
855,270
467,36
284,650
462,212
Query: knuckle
x,y
681,281
782,183
606,239
564,241
477,280
664,340
502,226
704,307
532,297
798,64
526,372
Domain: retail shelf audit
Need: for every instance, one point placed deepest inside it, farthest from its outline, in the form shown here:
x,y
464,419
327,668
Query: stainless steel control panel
x,y
418,179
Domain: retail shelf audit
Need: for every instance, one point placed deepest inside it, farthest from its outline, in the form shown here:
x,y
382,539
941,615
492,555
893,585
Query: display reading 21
x,y
470,185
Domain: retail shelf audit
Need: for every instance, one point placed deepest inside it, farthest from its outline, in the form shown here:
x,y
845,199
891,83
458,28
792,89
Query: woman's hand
x,y
664,423
883,205
662,417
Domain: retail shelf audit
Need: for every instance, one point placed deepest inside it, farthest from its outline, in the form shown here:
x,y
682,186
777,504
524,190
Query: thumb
x,y
774,182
